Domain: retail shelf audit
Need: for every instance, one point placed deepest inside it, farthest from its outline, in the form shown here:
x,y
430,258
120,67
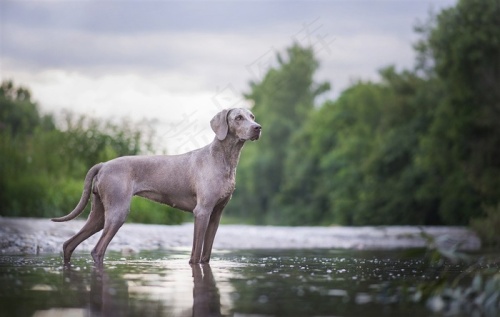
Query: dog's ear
x,y
219,124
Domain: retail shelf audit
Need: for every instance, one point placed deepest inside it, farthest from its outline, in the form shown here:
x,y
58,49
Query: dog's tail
x,y
87,190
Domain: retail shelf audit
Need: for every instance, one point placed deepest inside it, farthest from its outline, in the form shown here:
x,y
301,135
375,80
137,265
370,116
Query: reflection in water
x,y
105,296
243,283
108,297
206,297
109,293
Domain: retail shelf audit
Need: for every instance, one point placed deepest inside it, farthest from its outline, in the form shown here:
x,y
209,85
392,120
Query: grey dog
x,y
201,181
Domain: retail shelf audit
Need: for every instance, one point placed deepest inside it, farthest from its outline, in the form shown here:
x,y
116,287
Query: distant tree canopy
x,y
420,146
282,101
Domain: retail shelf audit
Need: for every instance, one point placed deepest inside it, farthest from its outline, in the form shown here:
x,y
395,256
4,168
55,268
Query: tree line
x,y
43,162
421,146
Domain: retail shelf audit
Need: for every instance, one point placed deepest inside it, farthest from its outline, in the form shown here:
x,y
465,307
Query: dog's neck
x,y
227,152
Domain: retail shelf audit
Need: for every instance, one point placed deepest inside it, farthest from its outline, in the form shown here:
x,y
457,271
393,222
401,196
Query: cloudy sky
x,y
178,63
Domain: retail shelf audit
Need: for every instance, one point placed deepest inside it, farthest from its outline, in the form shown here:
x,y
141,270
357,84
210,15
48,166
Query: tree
x,y
463,146
18,113
420,147
42,166
282,101
353,163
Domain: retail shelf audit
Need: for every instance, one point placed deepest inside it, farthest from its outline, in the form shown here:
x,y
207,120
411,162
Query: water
x,y
237,283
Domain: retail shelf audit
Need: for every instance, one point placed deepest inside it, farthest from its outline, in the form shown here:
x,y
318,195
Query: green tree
x,y
463,146
282,101
20,120
42,166
354,161
18,113
419,147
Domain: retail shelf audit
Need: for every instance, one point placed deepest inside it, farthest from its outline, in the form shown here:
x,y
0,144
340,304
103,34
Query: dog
x,y
201,181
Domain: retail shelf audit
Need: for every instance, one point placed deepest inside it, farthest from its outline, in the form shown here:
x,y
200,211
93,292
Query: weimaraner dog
x,y
201,181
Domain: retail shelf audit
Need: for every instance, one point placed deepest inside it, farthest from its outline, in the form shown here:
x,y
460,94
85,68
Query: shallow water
x,y
237,283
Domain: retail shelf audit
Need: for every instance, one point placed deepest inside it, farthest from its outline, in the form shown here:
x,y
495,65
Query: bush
x,y
63,196
25,197
146,211
43,166
487,228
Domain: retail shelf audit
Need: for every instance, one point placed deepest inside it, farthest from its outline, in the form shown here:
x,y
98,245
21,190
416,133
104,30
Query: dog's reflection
x,y
109,294
206,297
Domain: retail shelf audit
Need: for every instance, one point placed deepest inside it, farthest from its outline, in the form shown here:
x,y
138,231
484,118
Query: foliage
x,y
416,147
462,147
453,283
481,295
362,147
282,102
487,227
43,166
475,291
146,211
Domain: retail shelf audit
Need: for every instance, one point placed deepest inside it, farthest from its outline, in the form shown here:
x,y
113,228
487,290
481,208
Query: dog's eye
x,y
252,116
238,118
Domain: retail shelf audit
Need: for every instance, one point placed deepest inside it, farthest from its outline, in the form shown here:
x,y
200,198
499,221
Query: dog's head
x,y
238,122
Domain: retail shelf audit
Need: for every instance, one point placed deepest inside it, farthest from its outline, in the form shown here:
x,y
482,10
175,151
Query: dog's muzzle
x,y
256,132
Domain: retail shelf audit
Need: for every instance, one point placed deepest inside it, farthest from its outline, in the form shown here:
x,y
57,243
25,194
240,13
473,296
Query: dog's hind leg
x,y
94,224
111,227
116,200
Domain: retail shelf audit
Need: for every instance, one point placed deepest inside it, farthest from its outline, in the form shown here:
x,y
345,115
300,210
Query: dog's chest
x,y
226,186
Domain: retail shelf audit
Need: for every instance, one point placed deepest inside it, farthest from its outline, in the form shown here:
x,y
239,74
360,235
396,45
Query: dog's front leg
x,y
201,219
208,242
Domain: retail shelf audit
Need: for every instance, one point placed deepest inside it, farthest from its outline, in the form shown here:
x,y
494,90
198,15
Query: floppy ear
x,y
219,124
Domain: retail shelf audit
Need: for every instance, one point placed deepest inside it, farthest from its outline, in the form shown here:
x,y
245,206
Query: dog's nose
x,y
257,127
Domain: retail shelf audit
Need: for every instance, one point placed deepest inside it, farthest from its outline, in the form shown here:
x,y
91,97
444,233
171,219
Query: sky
x,y
175,64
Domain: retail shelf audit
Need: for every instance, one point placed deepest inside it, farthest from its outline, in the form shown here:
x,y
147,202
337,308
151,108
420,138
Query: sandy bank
x,y
32,236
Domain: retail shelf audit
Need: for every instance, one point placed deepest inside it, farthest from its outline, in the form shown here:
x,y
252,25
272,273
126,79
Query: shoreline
x,y
40,235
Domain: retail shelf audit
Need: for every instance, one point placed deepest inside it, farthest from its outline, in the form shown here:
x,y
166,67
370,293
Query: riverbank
x,y
34,236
